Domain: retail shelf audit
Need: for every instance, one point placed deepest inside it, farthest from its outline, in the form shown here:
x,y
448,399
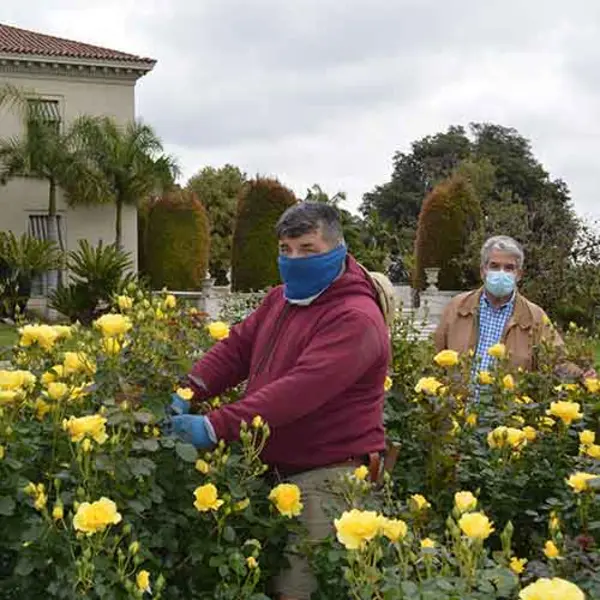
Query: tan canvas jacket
x,y
527,327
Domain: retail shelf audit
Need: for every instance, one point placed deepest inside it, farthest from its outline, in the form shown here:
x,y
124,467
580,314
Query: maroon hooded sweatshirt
x,y
314,373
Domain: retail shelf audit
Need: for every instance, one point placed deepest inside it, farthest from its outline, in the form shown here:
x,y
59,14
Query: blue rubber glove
x,y
178,406
193,429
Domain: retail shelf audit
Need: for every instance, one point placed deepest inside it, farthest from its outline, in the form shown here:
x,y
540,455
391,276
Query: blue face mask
x,y
499,283
308,276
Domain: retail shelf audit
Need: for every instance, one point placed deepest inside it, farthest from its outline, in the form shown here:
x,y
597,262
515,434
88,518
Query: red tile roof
x,y
21,41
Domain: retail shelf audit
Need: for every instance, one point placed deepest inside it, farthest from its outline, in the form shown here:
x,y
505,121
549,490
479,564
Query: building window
x,y
38,228
46,112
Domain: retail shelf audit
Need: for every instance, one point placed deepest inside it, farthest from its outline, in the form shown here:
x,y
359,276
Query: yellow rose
x,y
57,390
356,527
42,408
497,351
15,380
218,330
170,302
93,426
472,419
548,422
242,504
517,565
551,589
124,303
524,400
427,544
9,396
508,382
202,466
419,502
58,512
587,437
464,501
142,580
506,436
361,473
251,562
566,411
554,522
111,346
530,433
257,422
476,526
207,498
446,358
78,362
2,452
93,517
286,497
579,481
63,331
485,378
593,451
387,384
113,325
54,373
550,550
393,529
592,385
185,393
428,385
43,335
41,499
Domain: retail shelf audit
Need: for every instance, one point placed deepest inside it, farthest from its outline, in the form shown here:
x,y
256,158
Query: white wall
x,y
21,197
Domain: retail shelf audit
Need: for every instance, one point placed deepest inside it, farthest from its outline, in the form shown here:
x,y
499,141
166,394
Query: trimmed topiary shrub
x,y
142,223
451,216
255,248
177,242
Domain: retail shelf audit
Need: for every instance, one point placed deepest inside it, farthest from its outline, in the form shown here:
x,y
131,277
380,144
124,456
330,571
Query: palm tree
x,y
46,153
129,158
12,96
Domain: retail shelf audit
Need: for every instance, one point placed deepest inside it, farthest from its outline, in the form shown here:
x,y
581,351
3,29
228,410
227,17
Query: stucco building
x,y
71,79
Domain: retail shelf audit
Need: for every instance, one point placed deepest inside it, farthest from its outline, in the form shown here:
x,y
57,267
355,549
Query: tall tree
x,y
129,158
430,160
509,180
218,190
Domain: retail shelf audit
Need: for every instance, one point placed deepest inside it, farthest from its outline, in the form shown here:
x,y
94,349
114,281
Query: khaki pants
x,y
321,506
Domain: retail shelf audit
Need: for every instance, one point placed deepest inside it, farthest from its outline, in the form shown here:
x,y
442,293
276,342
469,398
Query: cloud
x,y
326,91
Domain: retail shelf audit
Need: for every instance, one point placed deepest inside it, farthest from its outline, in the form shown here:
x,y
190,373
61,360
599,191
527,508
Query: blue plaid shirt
x,y
492,322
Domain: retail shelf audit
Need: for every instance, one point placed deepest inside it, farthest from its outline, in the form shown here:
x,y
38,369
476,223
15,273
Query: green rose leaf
x,y
186,452
7,506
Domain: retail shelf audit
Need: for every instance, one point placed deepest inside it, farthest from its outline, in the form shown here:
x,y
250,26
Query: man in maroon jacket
x,y
315,355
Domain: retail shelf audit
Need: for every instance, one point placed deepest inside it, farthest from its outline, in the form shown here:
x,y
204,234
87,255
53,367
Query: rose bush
x,y
96,500
497,485
495,493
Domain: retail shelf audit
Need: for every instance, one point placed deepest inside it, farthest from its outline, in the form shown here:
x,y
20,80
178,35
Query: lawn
x,y
8,335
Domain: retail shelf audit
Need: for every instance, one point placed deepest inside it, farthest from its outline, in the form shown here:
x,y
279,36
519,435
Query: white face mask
x,y
500,283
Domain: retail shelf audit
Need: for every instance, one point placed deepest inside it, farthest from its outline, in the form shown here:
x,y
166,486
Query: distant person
x,y
499,313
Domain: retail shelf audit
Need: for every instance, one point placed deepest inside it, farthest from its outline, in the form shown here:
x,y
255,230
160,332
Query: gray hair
x,y
306,217
502,243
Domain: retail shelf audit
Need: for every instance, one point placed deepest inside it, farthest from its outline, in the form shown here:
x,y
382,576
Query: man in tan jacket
x,y
497,312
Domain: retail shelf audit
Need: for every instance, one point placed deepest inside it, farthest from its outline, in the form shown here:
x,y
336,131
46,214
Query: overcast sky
x,y
327,90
